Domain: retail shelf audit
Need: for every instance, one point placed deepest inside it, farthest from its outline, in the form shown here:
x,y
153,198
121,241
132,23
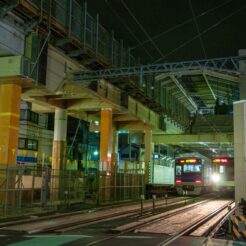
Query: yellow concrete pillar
x,y
106,140
106,150
10,96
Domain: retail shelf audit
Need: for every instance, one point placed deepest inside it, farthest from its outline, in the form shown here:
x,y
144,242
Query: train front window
x,y
222,169
178,170
189,168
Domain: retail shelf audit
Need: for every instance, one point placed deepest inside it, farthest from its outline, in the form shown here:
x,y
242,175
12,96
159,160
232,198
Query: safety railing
x,y
73,19
35,189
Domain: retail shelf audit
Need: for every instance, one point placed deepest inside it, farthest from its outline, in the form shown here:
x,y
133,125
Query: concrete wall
x,y
12,41
239,109
59,66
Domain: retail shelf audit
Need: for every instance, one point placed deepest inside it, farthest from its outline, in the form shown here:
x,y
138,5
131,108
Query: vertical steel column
x,y
70,17
97,27
50,14
121,53
141,77
129,57
159,91
85,18
161,96
112,48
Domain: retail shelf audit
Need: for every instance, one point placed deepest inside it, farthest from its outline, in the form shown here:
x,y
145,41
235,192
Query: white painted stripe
x,y
47,236
140,237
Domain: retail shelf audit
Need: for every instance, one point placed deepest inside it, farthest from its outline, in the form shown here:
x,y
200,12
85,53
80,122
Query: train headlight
x,y
216,177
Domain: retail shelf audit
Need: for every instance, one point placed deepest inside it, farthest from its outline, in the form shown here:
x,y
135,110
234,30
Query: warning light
x,y
220,160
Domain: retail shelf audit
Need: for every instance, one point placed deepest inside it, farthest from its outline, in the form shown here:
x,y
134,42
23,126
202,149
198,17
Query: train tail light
x,y
178,181
198,181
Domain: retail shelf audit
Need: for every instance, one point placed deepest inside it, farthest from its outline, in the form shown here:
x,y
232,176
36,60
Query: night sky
x,y
207,28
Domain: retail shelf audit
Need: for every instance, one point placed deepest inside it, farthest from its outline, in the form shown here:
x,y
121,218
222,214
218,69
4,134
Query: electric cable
x,y
203,32
198,30
128,29
142,28
181,24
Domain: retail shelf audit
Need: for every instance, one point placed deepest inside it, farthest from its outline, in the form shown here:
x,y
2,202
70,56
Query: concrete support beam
x,y
179,138
134,126
86,104
239,109
124,117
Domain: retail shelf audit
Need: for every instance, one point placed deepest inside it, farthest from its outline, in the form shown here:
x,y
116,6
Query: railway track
x,y
149,222
186,230
66,222
190,229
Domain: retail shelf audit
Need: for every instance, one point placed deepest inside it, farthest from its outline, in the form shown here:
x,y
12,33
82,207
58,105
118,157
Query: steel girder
x,y
226,65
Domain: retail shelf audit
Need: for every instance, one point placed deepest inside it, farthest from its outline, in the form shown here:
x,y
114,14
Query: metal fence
x,y
30,190
73,18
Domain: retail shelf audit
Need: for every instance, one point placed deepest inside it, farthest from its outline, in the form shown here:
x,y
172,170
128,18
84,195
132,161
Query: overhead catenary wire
x,y
142,28
128,29
198,30
210,123
201,33
181,24
154,44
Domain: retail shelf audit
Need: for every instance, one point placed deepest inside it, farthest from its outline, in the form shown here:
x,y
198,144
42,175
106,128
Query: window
x,y
192,168
32,144
222,169
178,170
23,114
22,143
34,118
28,115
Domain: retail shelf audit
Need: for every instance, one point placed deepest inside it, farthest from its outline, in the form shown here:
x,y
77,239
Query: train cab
x,y
223,174
191,176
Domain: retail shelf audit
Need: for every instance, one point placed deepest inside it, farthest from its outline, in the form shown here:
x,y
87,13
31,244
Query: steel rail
x,y
152,221
121,214
147,209
217,227
193,227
